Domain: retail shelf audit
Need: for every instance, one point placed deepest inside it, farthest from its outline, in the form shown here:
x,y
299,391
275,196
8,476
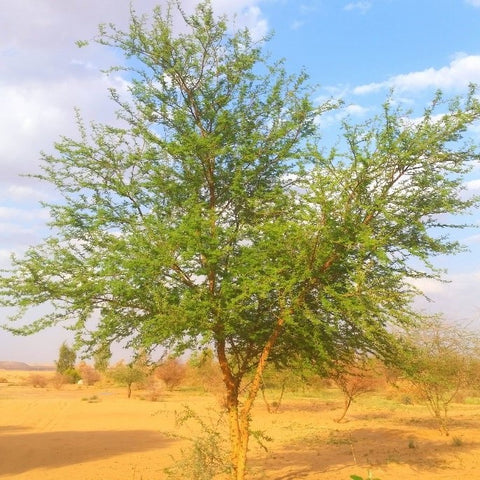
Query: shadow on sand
x,y
359,448
22,451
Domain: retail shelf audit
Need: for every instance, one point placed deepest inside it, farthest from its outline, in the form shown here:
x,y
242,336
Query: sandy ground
x,y
94,433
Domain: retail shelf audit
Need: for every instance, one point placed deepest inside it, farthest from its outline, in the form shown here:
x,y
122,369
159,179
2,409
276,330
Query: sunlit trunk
x,y
239,415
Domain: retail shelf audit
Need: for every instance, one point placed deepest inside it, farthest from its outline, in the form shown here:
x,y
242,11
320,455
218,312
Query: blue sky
x,y
357,50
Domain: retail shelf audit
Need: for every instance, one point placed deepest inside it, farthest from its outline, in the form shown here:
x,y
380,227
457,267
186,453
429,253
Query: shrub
x,y
71,375
171,372
88,374
128,374
207,458
37,380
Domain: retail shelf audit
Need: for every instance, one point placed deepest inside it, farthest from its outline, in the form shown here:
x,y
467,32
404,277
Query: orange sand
x,y
94,433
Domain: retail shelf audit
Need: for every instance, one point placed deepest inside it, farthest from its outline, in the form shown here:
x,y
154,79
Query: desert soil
x,y
96,433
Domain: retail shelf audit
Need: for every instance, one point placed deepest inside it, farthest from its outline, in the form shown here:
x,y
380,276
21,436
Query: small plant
x,y
337,438
92,399
207,456
171,372
412,443
358,477
88,374
37,380
457,442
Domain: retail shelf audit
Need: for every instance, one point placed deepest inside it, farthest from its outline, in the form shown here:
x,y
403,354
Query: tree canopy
x,y
209,213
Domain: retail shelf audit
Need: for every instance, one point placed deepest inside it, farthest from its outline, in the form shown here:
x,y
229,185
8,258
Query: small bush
x,y
457,442
172,373
37,380
357,477
208,457
71,376
88,374
59,381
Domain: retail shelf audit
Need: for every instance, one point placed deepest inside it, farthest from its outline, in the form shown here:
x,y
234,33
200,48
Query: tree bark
x,y
346,405
239,418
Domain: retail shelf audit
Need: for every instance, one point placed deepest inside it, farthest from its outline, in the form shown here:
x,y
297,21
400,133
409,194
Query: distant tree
x,y
128,374
171,372
66,359
440,359
354,378
101,358
213,215
88,374
37,380
203,366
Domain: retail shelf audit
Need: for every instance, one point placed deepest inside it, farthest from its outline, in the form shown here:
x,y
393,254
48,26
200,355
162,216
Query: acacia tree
x,y
128,374
66,359
101,357
354,378
439,360
211,217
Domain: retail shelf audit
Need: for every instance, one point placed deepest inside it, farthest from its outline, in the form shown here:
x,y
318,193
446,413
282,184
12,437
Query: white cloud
x,y
473,239
473,185
17,192
252,18
296,24
44,75
474,3
20,215
457,300
362,6
462,71
356,110
5,256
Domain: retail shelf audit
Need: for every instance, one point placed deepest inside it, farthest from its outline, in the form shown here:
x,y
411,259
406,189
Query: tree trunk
x,y
239,437
239,418
346,405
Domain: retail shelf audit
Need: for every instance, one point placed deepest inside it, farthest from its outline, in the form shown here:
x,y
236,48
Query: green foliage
x,y
71,375
208,456
358,477
66,360
210,213
101,357
128,374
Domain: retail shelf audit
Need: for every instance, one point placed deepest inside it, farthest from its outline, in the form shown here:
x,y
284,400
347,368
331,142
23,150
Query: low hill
x,y
9,365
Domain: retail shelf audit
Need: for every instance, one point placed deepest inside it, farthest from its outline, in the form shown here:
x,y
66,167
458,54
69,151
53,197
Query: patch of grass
x,y
457,442
92,399
339,438
358,477
412,443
